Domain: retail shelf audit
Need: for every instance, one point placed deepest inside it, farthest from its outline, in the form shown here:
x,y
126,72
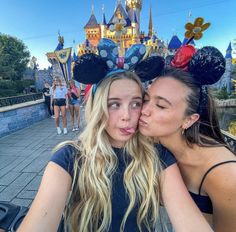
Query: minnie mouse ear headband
x,y
207,64
92,68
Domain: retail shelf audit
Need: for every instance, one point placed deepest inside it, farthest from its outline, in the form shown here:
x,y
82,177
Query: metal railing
x,y
8,101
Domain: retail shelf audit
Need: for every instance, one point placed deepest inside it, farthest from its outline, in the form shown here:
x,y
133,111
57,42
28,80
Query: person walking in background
x,y
60,100
74,107
47,97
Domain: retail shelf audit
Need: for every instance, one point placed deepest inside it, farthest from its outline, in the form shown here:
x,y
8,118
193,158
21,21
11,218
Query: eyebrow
x,y
118,99
164,99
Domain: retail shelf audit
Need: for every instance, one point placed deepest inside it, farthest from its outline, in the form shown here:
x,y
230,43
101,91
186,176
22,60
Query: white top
x,y
60,92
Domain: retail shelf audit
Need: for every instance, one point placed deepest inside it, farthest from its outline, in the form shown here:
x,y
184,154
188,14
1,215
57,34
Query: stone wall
x,y
19,116
225,103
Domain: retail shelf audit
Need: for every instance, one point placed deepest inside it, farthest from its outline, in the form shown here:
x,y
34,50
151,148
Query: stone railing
x,y
8,101
230,140
19,116
225,103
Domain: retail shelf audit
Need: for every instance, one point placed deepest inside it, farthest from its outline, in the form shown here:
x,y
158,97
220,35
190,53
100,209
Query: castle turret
x,y
134,6
225,80
174,44
135,28
104,25
229,52
93,30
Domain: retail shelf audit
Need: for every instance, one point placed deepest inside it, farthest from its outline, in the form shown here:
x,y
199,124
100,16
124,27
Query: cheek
x,y
135,115
112,118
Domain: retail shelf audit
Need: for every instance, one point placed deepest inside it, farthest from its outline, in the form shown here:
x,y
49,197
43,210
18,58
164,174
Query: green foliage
x,y
10,88
233,72
220,94
14,57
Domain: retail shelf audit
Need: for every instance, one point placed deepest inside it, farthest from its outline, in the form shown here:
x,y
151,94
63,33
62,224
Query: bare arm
x,y
183,212
47,208
220,185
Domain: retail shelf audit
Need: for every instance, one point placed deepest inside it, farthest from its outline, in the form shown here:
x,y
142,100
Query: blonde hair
x,y
90,208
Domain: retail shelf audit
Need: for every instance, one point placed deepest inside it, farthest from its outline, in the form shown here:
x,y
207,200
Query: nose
x,y
145,110
125,114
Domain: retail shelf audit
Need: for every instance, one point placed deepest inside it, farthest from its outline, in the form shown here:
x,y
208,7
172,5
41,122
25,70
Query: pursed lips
x,y
142,122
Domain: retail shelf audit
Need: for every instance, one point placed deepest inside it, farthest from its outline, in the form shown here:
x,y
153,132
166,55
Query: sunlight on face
x,y
124,108
164,108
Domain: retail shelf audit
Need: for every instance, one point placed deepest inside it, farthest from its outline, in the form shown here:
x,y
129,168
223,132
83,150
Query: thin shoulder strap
x,y
214,166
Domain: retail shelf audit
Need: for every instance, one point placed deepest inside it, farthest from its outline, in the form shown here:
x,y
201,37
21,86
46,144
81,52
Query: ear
x,y
190,120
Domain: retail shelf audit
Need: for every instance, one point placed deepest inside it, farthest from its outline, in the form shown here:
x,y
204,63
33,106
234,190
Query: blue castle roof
x,y
229,52
174,43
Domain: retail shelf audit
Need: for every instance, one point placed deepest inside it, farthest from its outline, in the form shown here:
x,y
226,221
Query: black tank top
x,y
204,202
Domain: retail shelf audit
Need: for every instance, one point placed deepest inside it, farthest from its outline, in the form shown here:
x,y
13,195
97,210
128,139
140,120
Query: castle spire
x,y
150,26
229,52
92,7
104,21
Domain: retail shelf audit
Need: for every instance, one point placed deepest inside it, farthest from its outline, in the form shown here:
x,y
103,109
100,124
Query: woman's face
x,y
163,109
124,108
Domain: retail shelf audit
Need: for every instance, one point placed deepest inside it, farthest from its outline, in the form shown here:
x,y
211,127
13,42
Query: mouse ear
x,y
207,65
90,69
150,68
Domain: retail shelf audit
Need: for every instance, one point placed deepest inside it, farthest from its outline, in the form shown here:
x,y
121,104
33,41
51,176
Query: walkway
x,y
23,157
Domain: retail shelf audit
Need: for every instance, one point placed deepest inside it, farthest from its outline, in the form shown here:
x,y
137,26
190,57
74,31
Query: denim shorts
x,y
74,102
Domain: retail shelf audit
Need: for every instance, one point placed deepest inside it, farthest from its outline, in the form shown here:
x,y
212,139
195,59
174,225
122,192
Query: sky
x,y
37,23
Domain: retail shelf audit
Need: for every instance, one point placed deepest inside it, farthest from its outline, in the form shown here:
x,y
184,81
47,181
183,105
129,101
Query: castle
x,y
123,28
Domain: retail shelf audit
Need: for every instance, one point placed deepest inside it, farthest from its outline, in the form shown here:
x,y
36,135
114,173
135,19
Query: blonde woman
x,y
60,100
111,179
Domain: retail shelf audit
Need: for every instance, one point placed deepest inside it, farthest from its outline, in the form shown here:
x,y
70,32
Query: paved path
x,y
23,157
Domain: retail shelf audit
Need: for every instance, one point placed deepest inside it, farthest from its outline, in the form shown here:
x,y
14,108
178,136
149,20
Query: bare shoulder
x,y
221,174
220,185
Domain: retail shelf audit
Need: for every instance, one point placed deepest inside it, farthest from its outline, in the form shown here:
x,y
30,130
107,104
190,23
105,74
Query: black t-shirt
x,y
65,158
47,91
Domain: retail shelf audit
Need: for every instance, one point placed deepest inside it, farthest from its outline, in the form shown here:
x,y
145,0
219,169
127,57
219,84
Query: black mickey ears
x,y
90,69
150,68
207,65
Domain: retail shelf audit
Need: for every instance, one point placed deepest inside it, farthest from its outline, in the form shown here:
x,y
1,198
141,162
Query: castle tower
x,y
228,68
135,28
225,80
93,29
133,6
150,25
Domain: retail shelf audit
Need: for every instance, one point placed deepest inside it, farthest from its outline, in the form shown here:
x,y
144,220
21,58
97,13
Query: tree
x,y
14,57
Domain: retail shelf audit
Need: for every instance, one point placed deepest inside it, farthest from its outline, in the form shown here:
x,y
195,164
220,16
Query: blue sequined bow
x,y
108,50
